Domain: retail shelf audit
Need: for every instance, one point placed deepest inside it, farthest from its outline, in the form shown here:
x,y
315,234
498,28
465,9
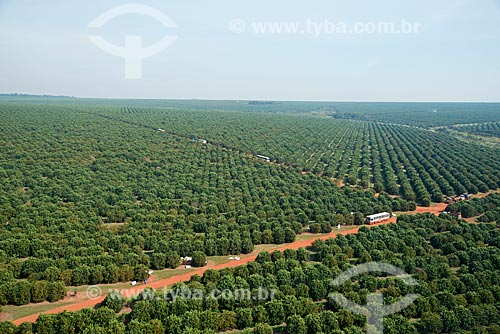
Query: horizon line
x,y
235,100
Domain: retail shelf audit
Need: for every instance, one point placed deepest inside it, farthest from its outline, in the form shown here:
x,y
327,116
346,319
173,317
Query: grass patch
x,y
167,273
16,312
104,287
216,260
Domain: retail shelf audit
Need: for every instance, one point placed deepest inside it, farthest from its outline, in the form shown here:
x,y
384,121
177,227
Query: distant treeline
x,y
35,95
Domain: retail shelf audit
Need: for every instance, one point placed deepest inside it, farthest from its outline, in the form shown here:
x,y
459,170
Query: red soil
x,y
435,208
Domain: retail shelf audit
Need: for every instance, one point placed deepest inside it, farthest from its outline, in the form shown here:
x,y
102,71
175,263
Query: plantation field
x,y
484,129
419,165
454,264
87,198
102,191
414,114
422,114
92,191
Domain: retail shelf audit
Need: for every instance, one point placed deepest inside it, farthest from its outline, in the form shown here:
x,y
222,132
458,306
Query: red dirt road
x,y
81,304
435,208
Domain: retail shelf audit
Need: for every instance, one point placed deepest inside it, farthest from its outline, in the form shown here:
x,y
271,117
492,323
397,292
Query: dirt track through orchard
x,y
161,283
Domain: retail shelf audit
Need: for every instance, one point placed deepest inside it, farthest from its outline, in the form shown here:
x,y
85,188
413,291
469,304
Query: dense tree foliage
x,y
457,266
487,208
484,129
96,192
429,114
88,197
199,259
418,165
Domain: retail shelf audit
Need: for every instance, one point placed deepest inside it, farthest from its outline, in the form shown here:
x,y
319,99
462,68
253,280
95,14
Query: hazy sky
x,y
454,56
